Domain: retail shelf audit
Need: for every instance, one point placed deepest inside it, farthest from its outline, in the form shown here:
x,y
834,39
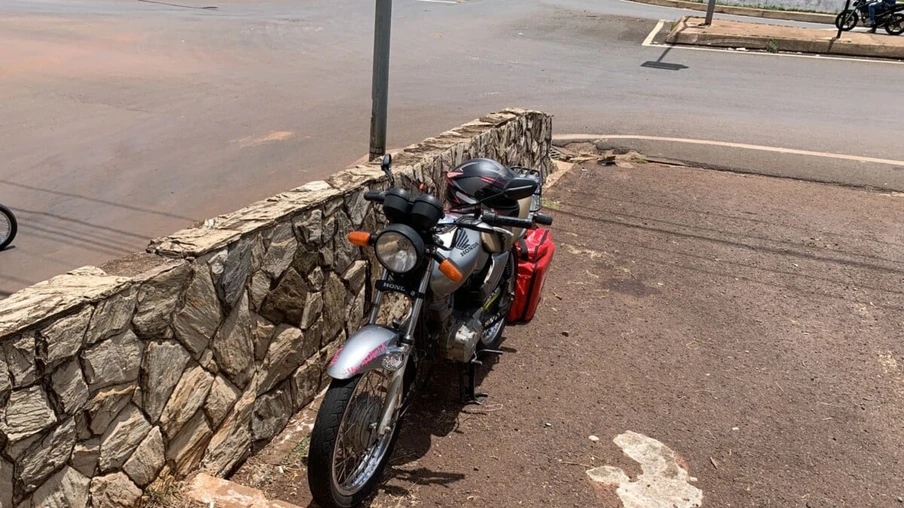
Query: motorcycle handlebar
x,y
374,196
546,220
501,220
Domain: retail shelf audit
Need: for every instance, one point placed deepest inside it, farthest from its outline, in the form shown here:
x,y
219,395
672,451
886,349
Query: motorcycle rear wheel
x,y
846,20
492,336
8,227
347,456
895,25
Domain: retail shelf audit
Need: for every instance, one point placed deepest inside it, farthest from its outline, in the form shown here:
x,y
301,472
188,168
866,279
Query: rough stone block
x,y
65,337
111,316
236,269
113,361
312,309
223,396
188,447
66,489
27,412
263,332
281,251
114,491
47,455
346,252
85,455
69,386
232,443
106,404
260,287
120,440
143,466
6,483
288,350
334,297
271,413
187,398
310,225
162,369
198,318
355,275
19,356
157,300
306,382
233,346
286,303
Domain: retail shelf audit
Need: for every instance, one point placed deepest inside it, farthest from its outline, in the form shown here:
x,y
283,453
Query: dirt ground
x,y
752,325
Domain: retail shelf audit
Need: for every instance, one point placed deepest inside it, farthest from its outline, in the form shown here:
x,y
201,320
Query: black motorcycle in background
x,y
892,20
8,227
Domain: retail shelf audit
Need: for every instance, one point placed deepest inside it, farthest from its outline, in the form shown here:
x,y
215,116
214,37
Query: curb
x,y
806,17
827,46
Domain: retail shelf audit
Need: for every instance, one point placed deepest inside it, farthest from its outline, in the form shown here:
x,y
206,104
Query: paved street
x,y
121,121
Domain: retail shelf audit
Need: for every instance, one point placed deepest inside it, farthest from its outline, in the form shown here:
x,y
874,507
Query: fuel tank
x,y
466,253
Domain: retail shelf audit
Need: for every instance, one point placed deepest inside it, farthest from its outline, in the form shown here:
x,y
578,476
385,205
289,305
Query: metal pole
x,y
710,9
380,87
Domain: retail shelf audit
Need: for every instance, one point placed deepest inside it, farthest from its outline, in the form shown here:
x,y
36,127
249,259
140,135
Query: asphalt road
x,y
121,121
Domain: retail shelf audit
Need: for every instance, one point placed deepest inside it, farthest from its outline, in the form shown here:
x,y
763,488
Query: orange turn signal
x,y
450,270
359,238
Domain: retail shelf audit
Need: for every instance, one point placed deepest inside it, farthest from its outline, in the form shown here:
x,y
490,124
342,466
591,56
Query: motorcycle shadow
x,y
435,412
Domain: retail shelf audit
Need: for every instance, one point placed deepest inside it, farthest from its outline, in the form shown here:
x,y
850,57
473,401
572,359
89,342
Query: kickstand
x,y
467,380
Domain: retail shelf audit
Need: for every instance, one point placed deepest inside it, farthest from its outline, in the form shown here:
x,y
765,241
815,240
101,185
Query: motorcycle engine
x,y
462,343
457,333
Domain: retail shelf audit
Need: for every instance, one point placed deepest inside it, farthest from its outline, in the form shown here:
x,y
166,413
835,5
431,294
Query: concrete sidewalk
x,y
731,34
736,10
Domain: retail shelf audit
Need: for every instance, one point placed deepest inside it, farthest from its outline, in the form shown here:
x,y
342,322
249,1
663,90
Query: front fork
x,y
397,382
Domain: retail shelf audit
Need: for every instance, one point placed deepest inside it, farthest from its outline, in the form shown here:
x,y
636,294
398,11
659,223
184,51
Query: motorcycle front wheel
x,y
8,227
347,455
895,25
846,20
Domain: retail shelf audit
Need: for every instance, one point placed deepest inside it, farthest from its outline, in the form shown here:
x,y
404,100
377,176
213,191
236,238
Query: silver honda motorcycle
x,y
458,271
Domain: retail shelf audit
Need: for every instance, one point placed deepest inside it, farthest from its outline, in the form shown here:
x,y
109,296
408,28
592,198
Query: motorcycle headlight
x,y
399,248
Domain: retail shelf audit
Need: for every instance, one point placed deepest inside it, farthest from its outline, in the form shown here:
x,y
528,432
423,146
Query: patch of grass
x,y
167,493
772,46
300,452
551,204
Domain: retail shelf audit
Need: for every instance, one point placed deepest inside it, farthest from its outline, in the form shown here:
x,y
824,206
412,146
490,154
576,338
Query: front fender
x,y
363,351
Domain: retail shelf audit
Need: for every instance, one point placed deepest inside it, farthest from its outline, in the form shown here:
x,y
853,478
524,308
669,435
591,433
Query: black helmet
x,y
478,179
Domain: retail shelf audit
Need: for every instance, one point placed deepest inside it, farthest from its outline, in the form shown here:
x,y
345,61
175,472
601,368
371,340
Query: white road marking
x,y
648,42
774,149
664,483
439,1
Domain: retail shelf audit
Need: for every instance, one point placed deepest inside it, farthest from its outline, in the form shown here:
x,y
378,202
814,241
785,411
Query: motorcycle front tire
x,y
895,25
846,20
337,404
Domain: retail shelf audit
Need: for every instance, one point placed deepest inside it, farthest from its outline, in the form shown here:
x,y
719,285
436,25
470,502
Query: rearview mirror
x,y
520,187
386,165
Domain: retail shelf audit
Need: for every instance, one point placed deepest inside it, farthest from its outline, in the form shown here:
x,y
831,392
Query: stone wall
x,y
192,354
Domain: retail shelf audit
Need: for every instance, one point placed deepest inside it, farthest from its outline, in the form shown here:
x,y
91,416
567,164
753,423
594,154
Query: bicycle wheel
x,y
8,227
